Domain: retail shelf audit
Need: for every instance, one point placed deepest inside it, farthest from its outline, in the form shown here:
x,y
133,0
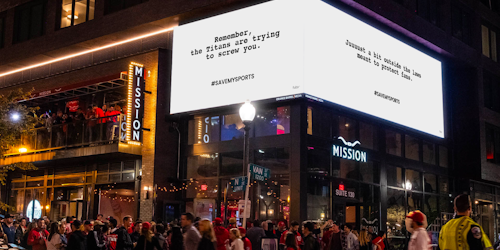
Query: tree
x,y
15,119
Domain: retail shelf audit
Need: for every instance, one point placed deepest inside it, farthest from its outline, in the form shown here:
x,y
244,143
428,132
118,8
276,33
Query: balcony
x,y
96,136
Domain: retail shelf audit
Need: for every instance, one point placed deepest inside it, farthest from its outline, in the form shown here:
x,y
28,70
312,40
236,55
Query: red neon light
x,y
204,187
341,187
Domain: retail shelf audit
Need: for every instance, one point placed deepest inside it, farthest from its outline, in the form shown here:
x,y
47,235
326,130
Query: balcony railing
x,y
90,132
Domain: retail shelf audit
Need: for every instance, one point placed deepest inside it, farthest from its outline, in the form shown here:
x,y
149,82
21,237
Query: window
x,y
492,4
413,180
491,85
347,128
28,21
393,143
411,148
368,136
460,26
429,153
489,42
111,6
276,159
204,129
429,10
74,12
492,143
394,176
430,183
205,165
443,156
232,127
319,122
275,121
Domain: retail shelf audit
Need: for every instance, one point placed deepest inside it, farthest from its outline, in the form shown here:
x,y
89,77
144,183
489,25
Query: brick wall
x,y
148,149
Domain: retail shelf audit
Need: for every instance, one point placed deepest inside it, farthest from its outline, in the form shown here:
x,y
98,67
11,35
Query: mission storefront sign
x,y
348,151
135,102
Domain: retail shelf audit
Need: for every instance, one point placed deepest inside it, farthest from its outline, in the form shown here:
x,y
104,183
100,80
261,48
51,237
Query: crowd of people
x,y
79,126
193,233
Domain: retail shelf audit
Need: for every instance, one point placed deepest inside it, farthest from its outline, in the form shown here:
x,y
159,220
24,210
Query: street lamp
x,y
247,113
15,116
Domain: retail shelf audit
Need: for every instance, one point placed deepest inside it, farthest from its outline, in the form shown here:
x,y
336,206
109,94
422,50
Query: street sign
x,y
260,173
239,183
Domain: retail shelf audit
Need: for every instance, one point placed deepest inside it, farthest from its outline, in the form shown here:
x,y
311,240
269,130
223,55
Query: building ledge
x,y
64,153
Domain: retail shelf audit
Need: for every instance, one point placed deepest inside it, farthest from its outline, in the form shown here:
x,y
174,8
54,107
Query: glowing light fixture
x,y
247,112
87,51
69,13
23,150
15,116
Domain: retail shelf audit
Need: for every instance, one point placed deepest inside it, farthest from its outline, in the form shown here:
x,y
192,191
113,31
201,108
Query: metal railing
x,y
81,133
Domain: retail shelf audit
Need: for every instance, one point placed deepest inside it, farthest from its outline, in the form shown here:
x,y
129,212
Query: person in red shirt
x,y
232,223
326,235
294,228
37,236
379,241
221,234
246,242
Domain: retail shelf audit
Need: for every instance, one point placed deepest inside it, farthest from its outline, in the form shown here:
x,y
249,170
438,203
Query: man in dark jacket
x,y
124,242
137,231
255,234
310,242
9,229
77,240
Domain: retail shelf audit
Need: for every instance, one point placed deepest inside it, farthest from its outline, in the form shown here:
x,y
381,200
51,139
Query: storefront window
x,y
347,128
431,208
446,204
232,163
319,122
369,172
444,186
369,195
274,121
204,130
429,153
205,165
443,156
318,197
232,127
393,143
394,176
395,212
276,159
349,169
430,183
411,148
367,136
16,200
318,160
414,179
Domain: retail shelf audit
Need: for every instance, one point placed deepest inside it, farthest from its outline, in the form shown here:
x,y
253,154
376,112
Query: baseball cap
x,y
281,224
416,216
146,225
87,222
218,221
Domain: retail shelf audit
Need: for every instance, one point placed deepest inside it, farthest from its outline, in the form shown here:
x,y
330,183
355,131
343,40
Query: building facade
x,y
186,159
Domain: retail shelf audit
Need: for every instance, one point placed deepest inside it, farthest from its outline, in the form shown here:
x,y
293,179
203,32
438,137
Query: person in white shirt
x,y
236,242
351,239
416,222
55,240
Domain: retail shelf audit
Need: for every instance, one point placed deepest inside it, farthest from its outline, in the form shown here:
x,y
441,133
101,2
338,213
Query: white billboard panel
x,y
287,47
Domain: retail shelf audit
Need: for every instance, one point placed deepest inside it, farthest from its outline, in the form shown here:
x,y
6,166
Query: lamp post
x,y
247,113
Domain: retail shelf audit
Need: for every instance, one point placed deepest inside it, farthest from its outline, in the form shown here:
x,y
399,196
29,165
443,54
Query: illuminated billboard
x,y
304,48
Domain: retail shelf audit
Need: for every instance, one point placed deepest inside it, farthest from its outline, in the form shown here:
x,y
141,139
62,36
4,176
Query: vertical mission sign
x,y
135,110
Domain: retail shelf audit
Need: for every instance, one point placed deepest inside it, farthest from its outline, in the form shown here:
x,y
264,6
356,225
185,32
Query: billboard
x,y
304,48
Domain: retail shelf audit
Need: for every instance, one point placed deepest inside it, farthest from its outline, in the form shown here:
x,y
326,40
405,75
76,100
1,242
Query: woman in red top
x,y
379,241
246,242
290,242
